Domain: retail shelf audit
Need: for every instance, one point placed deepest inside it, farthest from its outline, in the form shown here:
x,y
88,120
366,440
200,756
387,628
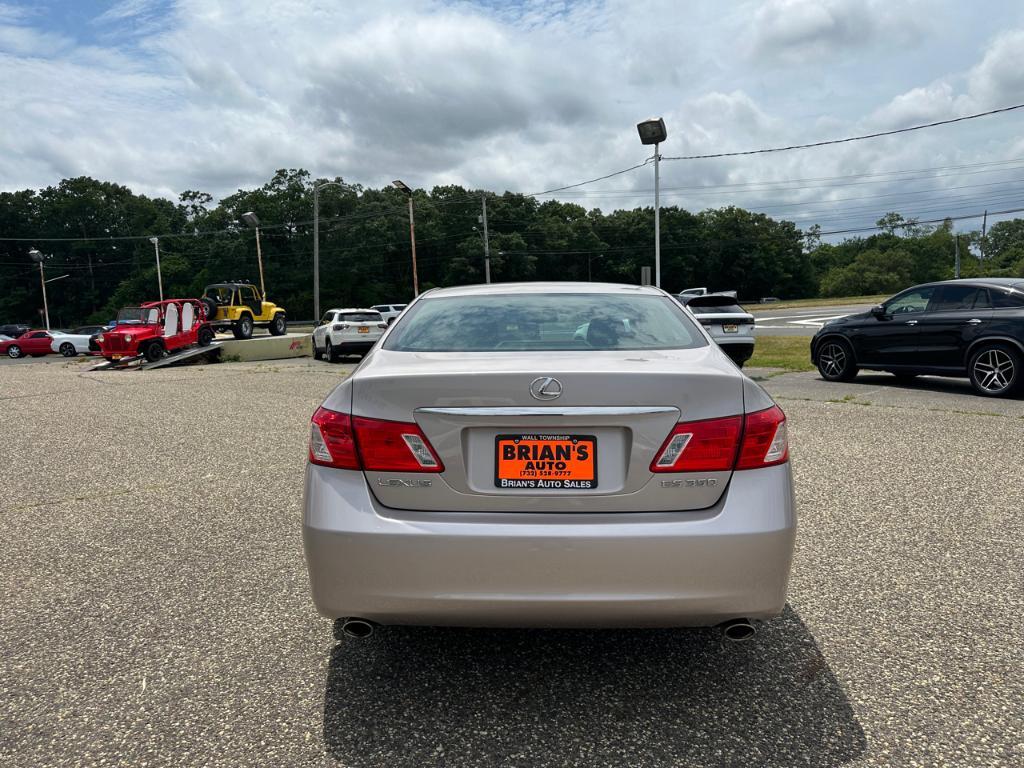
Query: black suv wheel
x,y
243,328
835,361
995,370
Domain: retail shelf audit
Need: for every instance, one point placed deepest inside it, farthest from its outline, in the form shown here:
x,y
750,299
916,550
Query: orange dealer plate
x,y
549,461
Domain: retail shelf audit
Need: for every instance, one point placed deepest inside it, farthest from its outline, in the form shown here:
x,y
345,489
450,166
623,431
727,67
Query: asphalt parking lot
x,y
156,609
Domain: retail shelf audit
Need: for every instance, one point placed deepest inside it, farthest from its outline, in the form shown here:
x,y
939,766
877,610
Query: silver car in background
x,y
487,466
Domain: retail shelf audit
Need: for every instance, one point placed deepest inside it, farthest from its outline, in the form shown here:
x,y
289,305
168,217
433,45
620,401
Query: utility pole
x,y
407,191
956,269
984,230
487,241
316,253
657,218
159,279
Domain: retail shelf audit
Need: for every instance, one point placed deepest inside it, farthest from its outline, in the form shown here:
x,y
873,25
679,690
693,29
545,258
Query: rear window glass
x,y
360,317
716,309
1006,300
545,321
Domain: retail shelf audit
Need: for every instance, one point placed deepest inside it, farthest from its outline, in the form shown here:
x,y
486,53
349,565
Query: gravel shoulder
x,y
156,610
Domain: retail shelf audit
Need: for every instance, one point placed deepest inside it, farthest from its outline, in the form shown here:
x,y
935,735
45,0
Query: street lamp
x,y
159,280
590,258
653,132
401,185
37,257
316,243
253,221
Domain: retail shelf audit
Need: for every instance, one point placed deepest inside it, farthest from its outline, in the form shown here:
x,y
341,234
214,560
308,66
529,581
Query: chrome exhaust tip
x,y
738,630
357,628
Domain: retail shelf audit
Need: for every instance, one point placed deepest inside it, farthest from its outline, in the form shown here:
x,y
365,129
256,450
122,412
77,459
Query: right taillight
x,y
719,445
764,439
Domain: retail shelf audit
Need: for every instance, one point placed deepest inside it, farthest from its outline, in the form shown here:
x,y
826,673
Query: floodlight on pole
x,y
253,221
404,188
37,256
159,279
653,131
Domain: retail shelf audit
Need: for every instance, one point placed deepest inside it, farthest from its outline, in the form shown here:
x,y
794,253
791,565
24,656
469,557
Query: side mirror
x,y
879,311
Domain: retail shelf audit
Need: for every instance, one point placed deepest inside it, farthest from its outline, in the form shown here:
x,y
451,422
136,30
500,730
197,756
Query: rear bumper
x,y
577,570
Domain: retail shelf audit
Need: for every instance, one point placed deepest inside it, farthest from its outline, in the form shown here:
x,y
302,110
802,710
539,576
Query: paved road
x,y
801,322
156,609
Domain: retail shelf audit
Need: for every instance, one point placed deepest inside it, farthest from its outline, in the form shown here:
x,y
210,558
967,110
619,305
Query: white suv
x,y
389,311
347,331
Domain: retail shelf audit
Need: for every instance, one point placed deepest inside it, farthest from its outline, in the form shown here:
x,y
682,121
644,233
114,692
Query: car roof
x,y
353,309
240,284
494,289
1001,282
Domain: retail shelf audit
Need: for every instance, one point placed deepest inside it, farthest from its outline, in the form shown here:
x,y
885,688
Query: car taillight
x,y
764,439
331,440
718,445
394,446
382,326
700,446
339,440
342,327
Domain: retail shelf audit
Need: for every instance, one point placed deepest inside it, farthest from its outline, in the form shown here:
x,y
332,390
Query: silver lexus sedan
x,y
487,465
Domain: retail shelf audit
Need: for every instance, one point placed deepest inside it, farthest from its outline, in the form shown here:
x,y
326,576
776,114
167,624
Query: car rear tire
x,y
14,351
243,328
835,361
68,349
279,325
329,352
995,370
205,336
153,352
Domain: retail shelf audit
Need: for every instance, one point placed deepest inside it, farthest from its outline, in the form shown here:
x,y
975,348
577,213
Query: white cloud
x,y
217,94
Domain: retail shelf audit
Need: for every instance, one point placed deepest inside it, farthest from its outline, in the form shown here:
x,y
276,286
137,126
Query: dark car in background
x,y
971,328
729,324
14,330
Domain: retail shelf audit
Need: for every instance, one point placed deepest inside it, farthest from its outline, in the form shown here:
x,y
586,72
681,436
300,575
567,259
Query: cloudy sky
x,y
168,95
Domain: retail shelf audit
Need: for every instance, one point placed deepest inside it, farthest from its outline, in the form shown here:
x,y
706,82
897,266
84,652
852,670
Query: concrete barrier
x,y
266,347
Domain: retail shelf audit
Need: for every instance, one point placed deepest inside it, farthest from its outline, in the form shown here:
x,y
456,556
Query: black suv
x,y
972,328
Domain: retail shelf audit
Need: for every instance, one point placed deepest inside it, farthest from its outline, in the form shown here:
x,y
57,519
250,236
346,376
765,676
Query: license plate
x,y
549,461
364,329
731,328
116,357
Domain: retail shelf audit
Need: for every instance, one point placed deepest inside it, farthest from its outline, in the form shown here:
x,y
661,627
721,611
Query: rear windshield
x,y
702,308
544,321
359,317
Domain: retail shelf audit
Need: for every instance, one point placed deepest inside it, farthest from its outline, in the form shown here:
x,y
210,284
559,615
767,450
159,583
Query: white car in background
x,y
347,332
389,311
731,326
70,344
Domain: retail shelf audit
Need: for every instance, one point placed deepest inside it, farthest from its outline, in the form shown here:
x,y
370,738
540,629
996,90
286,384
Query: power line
x,y
848,139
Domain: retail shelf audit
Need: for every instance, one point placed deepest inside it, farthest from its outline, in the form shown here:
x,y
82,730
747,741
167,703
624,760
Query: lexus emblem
x,y
545,388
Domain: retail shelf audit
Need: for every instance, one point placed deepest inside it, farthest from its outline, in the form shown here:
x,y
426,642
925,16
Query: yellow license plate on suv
x,y
364,329
567,462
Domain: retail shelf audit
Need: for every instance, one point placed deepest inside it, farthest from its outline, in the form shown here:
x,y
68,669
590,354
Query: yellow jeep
x,y
240,307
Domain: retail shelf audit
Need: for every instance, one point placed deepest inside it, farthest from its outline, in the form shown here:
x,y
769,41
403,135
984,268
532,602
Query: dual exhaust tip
x,y
735,630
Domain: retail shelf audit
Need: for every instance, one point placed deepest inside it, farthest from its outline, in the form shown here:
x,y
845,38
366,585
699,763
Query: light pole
x,y
159,280
37,257
252,220
487,241
653,132
590,258
316,243
412,235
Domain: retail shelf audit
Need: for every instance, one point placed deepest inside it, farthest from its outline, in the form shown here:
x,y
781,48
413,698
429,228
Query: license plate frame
x,y
516,473
730,328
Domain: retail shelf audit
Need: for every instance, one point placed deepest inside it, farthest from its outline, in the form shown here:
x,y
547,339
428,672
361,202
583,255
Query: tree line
x,y
98,234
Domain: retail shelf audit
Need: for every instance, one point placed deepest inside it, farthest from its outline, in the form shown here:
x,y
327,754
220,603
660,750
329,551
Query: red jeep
x,y
156,328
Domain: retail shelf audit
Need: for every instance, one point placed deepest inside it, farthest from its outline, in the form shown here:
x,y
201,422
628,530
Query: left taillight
x,y
394,446
347,442
332,441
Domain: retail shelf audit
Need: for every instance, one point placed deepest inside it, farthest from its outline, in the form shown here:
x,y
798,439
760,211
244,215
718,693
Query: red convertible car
x,y
156,328
34,343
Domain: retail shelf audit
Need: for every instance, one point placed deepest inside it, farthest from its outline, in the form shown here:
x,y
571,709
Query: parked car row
x,y
37,343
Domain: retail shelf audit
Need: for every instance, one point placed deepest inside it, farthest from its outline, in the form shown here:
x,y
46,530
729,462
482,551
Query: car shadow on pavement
x,y
462,697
